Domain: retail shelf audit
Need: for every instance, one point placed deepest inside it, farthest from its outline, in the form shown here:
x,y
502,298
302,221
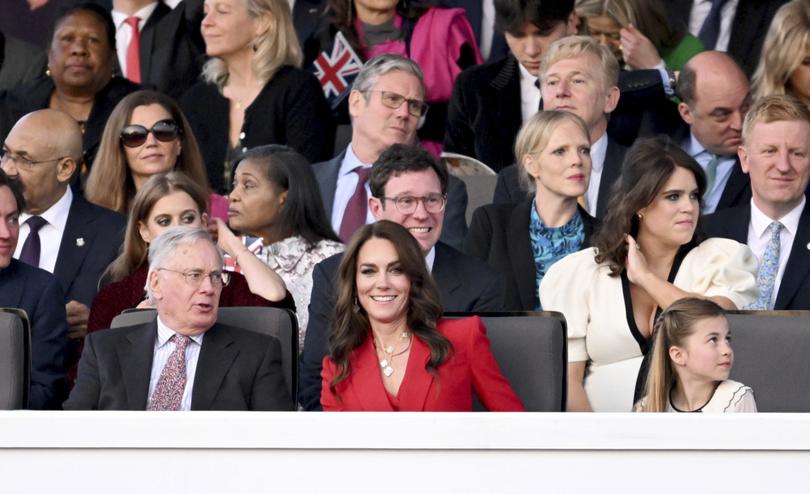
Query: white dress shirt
x,y
598,153
346,183
430,258
758,237
123,31
529,94
725,165
701,9
163,349
487,27
50,235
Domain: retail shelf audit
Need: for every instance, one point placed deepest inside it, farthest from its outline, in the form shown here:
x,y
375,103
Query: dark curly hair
x,y
648,165
351,326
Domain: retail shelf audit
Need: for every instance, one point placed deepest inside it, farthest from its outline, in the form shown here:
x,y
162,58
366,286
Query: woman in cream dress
x,y
648,253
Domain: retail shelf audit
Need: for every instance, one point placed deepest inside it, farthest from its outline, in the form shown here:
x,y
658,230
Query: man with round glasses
x,y
60,231
184,359
408,186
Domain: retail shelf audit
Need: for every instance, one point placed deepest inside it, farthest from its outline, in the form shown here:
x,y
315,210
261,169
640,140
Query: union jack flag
x,y
337,72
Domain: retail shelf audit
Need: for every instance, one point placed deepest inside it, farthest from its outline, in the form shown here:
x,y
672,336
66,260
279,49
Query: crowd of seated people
x,y
183,156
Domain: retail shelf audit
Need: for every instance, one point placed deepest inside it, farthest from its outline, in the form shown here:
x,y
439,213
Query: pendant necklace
x,y
388,354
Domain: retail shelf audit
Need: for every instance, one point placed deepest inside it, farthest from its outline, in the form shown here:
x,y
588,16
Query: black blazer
x,y
465,285
90,242
291,109
39,294
454,228
237,370
794,290
508,189
20,62
499,235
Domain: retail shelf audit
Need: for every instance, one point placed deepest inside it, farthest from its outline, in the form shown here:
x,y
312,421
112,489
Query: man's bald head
x,y
712,67
43,150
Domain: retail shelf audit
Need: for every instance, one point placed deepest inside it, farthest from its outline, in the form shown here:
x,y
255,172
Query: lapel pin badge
x,y
80,242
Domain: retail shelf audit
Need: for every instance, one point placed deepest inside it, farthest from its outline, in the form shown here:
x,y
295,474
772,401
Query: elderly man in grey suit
x,y
183,360
386,104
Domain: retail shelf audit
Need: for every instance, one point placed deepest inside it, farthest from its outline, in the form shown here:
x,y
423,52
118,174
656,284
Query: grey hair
x,y
381,65
163,248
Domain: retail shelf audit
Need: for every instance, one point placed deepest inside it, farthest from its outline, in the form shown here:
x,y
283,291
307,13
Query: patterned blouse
x,y
549,245
291,260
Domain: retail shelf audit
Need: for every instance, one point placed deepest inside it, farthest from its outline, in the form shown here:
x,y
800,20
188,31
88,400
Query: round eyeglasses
x,y
433,203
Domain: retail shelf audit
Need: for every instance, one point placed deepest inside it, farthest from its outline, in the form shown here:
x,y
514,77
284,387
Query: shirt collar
x,y
598,153
143,14
525,75
164,333
350,162
430,257
760,221
57,214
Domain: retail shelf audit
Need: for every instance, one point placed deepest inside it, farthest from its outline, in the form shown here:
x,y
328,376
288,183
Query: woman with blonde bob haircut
x,y
784,66
115,178
254,92
524,240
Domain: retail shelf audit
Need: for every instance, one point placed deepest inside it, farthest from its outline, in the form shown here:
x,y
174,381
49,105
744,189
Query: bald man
x,y
715,97
60,231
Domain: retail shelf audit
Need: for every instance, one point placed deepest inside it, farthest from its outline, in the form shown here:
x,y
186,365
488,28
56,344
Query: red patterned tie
x,y
356,209
134,51
168,393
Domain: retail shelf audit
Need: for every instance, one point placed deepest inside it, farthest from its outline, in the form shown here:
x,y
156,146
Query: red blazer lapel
x,y
366,383
413,391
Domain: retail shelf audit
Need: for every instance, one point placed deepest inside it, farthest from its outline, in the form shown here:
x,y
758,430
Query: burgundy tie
x,y
168,393
134,51
357,208
32,246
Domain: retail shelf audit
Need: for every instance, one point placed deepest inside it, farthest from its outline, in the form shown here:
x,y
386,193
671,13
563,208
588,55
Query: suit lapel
x,y
737,190
327,175
507,86
798,264
611,171
444,273
76,243
216,357
148,38
520,253
135,353
366,381
415,386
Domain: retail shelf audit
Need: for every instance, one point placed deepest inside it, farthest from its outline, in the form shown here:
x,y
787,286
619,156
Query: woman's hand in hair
x,y
636,265
637,50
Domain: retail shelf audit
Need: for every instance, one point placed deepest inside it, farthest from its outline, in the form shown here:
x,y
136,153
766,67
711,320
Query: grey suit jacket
x,y
237,370
454,229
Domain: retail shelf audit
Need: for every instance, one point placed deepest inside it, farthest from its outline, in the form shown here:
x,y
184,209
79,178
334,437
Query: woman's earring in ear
x,y
640,216
48,71
356,307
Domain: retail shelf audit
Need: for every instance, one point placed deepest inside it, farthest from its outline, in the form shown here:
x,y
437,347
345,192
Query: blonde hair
x,y
672,327
535,134
774,108
277,47
575,46
784,49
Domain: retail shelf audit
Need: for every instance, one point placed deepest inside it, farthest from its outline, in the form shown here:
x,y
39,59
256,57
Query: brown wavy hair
x,y
648,165
350,325
110,183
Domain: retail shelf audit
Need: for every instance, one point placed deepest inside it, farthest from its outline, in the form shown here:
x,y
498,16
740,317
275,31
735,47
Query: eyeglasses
x,y
434,203
393,100
133,136
194,278
23,162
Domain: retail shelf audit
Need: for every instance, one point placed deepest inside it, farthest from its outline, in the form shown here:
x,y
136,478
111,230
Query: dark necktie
x,y
134,51
356,209
540,104
32,246
710,30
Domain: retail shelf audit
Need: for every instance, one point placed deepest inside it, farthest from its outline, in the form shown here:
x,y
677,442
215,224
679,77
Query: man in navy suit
x,y
73,239
775,153
408,187
37,293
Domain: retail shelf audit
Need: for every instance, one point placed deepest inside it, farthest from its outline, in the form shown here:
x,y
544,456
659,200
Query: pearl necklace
x,y
388,353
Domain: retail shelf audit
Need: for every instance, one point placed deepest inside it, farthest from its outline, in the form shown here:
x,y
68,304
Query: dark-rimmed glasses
x,y
434,203
194,278
133,136
393,100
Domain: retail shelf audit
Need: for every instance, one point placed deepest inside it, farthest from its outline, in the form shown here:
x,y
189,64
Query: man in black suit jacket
x,y
183,360
579,76
79,240
465,284
776,155
714,99
40,296
376,126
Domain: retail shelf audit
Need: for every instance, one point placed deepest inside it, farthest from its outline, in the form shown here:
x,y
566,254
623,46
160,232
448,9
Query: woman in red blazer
x,y
388,349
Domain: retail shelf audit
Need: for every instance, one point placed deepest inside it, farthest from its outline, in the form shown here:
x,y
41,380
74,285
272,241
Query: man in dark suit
x,y
62,233
408,187
386,103
20,62
740,27
37,293
170,49
183,360
580,76
714,95
775,153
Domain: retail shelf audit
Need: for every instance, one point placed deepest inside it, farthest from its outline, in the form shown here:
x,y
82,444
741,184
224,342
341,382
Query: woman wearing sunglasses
x,y
146,134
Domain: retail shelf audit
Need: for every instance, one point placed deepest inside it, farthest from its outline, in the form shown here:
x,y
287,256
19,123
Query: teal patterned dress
x,y
549,245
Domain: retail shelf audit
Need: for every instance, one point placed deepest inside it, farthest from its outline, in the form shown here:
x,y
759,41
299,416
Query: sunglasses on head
x,y
133,136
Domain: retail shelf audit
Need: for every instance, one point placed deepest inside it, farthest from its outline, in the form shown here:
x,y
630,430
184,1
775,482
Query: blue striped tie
x,y
768,267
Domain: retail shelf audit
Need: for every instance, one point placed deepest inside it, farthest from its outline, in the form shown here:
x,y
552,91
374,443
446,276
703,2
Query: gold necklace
x,y
388,354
